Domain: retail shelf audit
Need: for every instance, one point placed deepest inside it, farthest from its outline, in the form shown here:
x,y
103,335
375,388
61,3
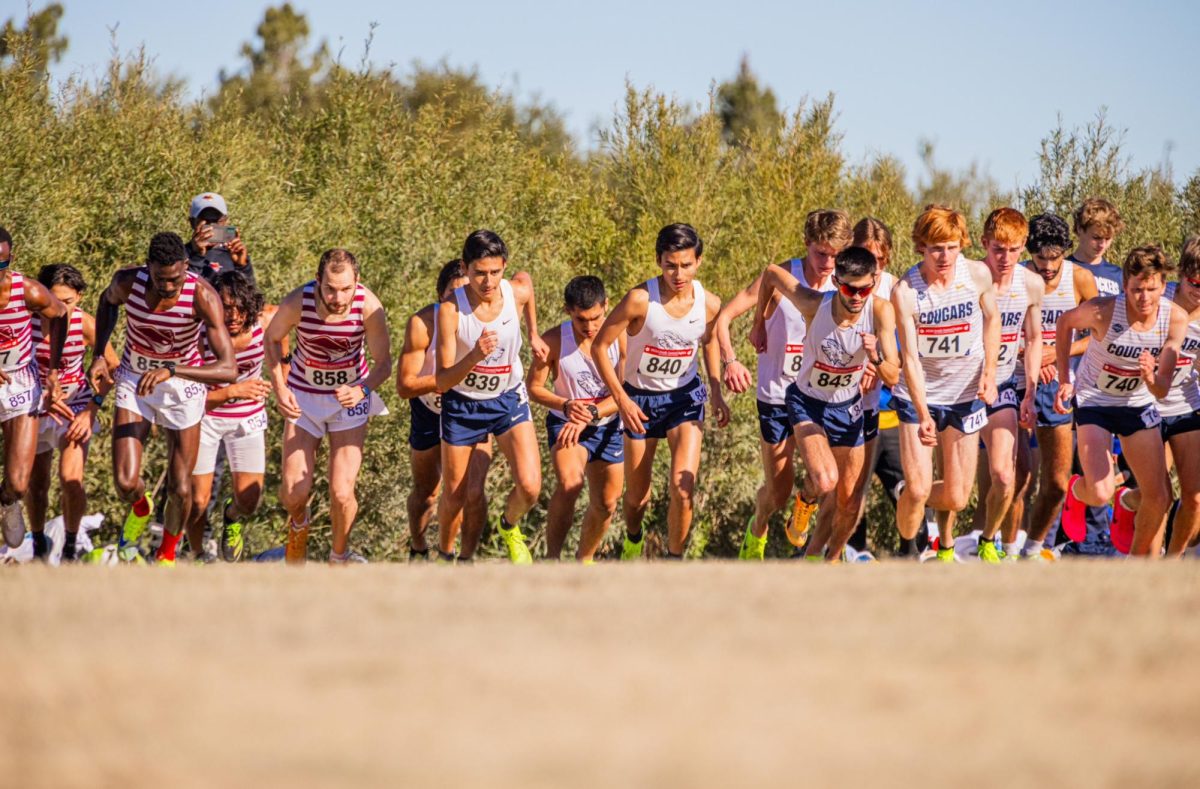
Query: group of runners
x,y
1039,363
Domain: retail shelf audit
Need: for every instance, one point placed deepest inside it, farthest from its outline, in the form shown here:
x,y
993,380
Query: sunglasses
x,y
849,291
1194,283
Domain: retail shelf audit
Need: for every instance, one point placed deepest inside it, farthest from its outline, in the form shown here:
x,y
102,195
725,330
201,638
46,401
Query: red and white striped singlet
x,y
16,345
249,365
328,354
70,363
153,338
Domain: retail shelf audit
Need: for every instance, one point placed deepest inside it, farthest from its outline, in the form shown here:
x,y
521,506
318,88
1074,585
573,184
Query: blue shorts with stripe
x,y
466,422
604,443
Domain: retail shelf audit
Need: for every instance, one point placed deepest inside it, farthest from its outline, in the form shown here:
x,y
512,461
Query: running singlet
x,y
780,365
577,378
1054,304
76,389
1184,395
834,364
1012,305
949,326
431,400
502,370
1109,374
249,366
328,354
153,338
1108,275
662,356
883,290
16,329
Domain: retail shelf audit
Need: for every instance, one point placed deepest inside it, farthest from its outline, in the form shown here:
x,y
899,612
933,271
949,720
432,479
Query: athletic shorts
x,y
466,422
1043,404
604,443
1006,397
424,426
22,395
1180,424
52,433
668,410
774,424
870,424
176,403
967,418
244,439
842,422
322,413
1120,420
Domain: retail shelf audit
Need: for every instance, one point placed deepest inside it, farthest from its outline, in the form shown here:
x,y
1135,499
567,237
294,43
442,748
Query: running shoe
x,y
753,548
233,545
1121,532
136,524
297,544
947,555
988,553
632,551
1074,513
514,541
162,561
796,529
14,524
416,557
445,558
349,557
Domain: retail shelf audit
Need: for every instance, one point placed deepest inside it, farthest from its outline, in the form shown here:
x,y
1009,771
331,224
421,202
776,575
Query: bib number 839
x,y
482,383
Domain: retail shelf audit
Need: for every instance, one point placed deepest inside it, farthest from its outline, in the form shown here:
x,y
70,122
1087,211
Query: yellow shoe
x,y
136,524
753,548
164,562
632,551
796,529
297,543
514,541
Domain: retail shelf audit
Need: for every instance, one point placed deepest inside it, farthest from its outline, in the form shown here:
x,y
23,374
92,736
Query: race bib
x,y
793,356
974,421
255,423
330,376
141,362
829,379
488,380
1008,346
1006,396
1151,417
664,362
1119,381
1183,370
432,401
10,357
944,342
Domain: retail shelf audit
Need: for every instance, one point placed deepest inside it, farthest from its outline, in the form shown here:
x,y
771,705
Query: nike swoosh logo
x,y
505,323
515,418
694,320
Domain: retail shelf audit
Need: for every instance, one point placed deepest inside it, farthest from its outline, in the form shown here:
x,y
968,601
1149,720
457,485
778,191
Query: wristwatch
x,y
98,399
594,411
366,390
170,368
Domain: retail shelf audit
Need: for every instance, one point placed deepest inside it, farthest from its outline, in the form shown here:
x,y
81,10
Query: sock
x,y
505,525
908,546
141,507
68,551
422,552
1010,548
445,557
297,526
41,546
170,541
339,558
629,536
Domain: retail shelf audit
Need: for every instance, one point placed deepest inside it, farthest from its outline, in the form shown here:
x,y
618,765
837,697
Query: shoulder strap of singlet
x,y
652,288
566,340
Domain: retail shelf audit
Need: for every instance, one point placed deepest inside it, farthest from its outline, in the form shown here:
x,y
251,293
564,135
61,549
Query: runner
x,y
479,369
847,330
20,387
1019,294
582,428
1067,285
1118,380
68,425
1097,223
826,233
161,378
329,390
235,418
667,319
415,382
949,340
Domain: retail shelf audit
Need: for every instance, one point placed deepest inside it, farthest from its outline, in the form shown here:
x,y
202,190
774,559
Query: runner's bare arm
x,y
888,368
523,290
1092,315
712,358
417,336
379,344
1032,327
1168,357
777,278
1085,289
39,299
108,310
904,307
211,313
89,339
737,377
286,318
626,319
539,374
991,329
608,406
449,372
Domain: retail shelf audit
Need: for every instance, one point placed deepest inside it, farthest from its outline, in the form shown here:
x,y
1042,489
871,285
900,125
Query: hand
x,y
4,377
719,408
1147,365
286,402
237,251
202,237
99,376
60,412
758,335
349,396
576,411
870,344
253,389
1048,374
868,379
55,392
1028,414
927,431
632,417
987,389
1062,402
541,351
487,343
736,377
569,435
81,425
151,379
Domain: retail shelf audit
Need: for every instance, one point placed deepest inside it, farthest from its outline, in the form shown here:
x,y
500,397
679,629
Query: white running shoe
x,y
14,524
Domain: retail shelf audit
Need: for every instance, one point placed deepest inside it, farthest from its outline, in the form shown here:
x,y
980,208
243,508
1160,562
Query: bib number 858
x,y
330,377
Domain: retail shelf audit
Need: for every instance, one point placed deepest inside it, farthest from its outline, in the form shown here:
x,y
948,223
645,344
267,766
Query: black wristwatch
x,y
170,368
98,399
594,411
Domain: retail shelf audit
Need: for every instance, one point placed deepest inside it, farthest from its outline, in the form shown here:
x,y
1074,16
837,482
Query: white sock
x,y
1010,548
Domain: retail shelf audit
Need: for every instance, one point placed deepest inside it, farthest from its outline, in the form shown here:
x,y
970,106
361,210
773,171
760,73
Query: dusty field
x,y
708,674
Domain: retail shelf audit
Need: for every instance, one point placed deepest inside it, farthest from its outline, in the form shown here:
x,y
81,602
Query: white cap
x,y
207,200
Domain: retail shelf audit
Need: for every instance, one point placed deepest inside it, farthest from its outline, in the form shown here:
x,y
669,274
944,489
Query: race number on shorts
x,y
658,362
487,380
943,342
974,421
1119,381
1006,396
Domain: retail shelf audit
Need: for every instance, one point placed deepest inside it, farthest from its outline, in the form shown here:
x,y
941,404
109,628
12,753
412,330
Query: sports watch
x,y
594,411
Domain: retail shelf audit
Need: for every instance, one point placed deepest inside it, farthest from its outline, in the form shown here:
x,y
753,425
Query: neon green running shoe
x,y
632,551
232,542
947,555
136,524
753,548
514,541
162,561
988,554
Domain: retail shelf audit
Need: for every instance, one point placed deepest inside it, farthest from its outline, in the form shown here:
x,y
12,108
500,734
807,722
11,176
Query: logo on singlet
x,y
160,340
670,339
834,352
334,346
7,336
590,384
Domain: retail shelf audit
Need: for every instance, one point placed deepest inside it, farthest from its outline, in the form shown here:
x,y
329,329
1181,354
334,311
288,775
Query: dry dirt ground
x,y
705,674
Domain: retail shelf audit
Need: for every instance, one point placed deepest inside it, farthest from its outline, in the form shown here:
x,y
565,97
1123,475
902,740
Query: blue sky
x,y
984,80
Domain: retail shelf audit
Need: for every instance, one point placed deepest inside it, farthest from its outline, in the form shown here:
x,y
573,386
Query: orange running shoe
x,y
796,529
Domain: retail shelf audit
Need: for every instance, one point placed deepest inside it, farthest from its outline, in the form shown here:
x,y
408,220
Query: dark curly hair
x,y
166,249
247,298
1048,234
62,274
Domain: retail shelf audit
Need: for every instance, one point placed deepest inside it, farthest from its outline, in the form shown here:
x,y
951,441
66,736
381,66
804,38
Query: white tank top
x,y
1054,304
834,363
432,400
577,377
1012,305
780,365
1184,394
887,281
502,370
949,337
663,355
1108,374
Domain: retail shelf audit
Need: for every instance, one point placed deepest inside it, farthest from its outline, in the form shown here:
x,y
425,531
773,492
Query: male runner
x,y
479,370
1067,285
329,389
826,233
1137,336
667,319
582,428
161,377
20,388
846,330
416,382
68,425
950,341
235,417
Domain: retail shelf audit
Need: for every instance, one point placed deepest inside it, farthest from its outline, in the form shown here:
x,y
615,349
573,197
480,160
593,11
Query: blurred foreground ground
x,y
703,674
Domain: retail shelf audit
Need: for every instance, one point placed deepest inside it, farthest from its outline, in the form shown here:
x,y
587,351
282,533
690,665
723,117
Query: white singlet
x,y
871,397
1012,305
577,378
834,363
662,356
502,370
1109,374
431,400
1184,395
1054,304
779,366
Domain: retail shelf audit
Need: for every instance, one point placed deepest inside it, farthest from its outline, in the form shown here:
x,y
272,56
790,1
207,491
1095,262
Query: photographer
x,y
209,254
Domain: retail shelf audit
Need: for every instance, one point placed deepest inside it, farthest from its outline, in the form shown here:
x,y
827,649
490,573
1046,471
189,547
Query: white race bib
x,y
1183,369
143,363
1008,346
664,362
432,401
256,423
1006,396
1119,381
974,421
10,358
488,380
829,379
793,355
330,376
943,342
